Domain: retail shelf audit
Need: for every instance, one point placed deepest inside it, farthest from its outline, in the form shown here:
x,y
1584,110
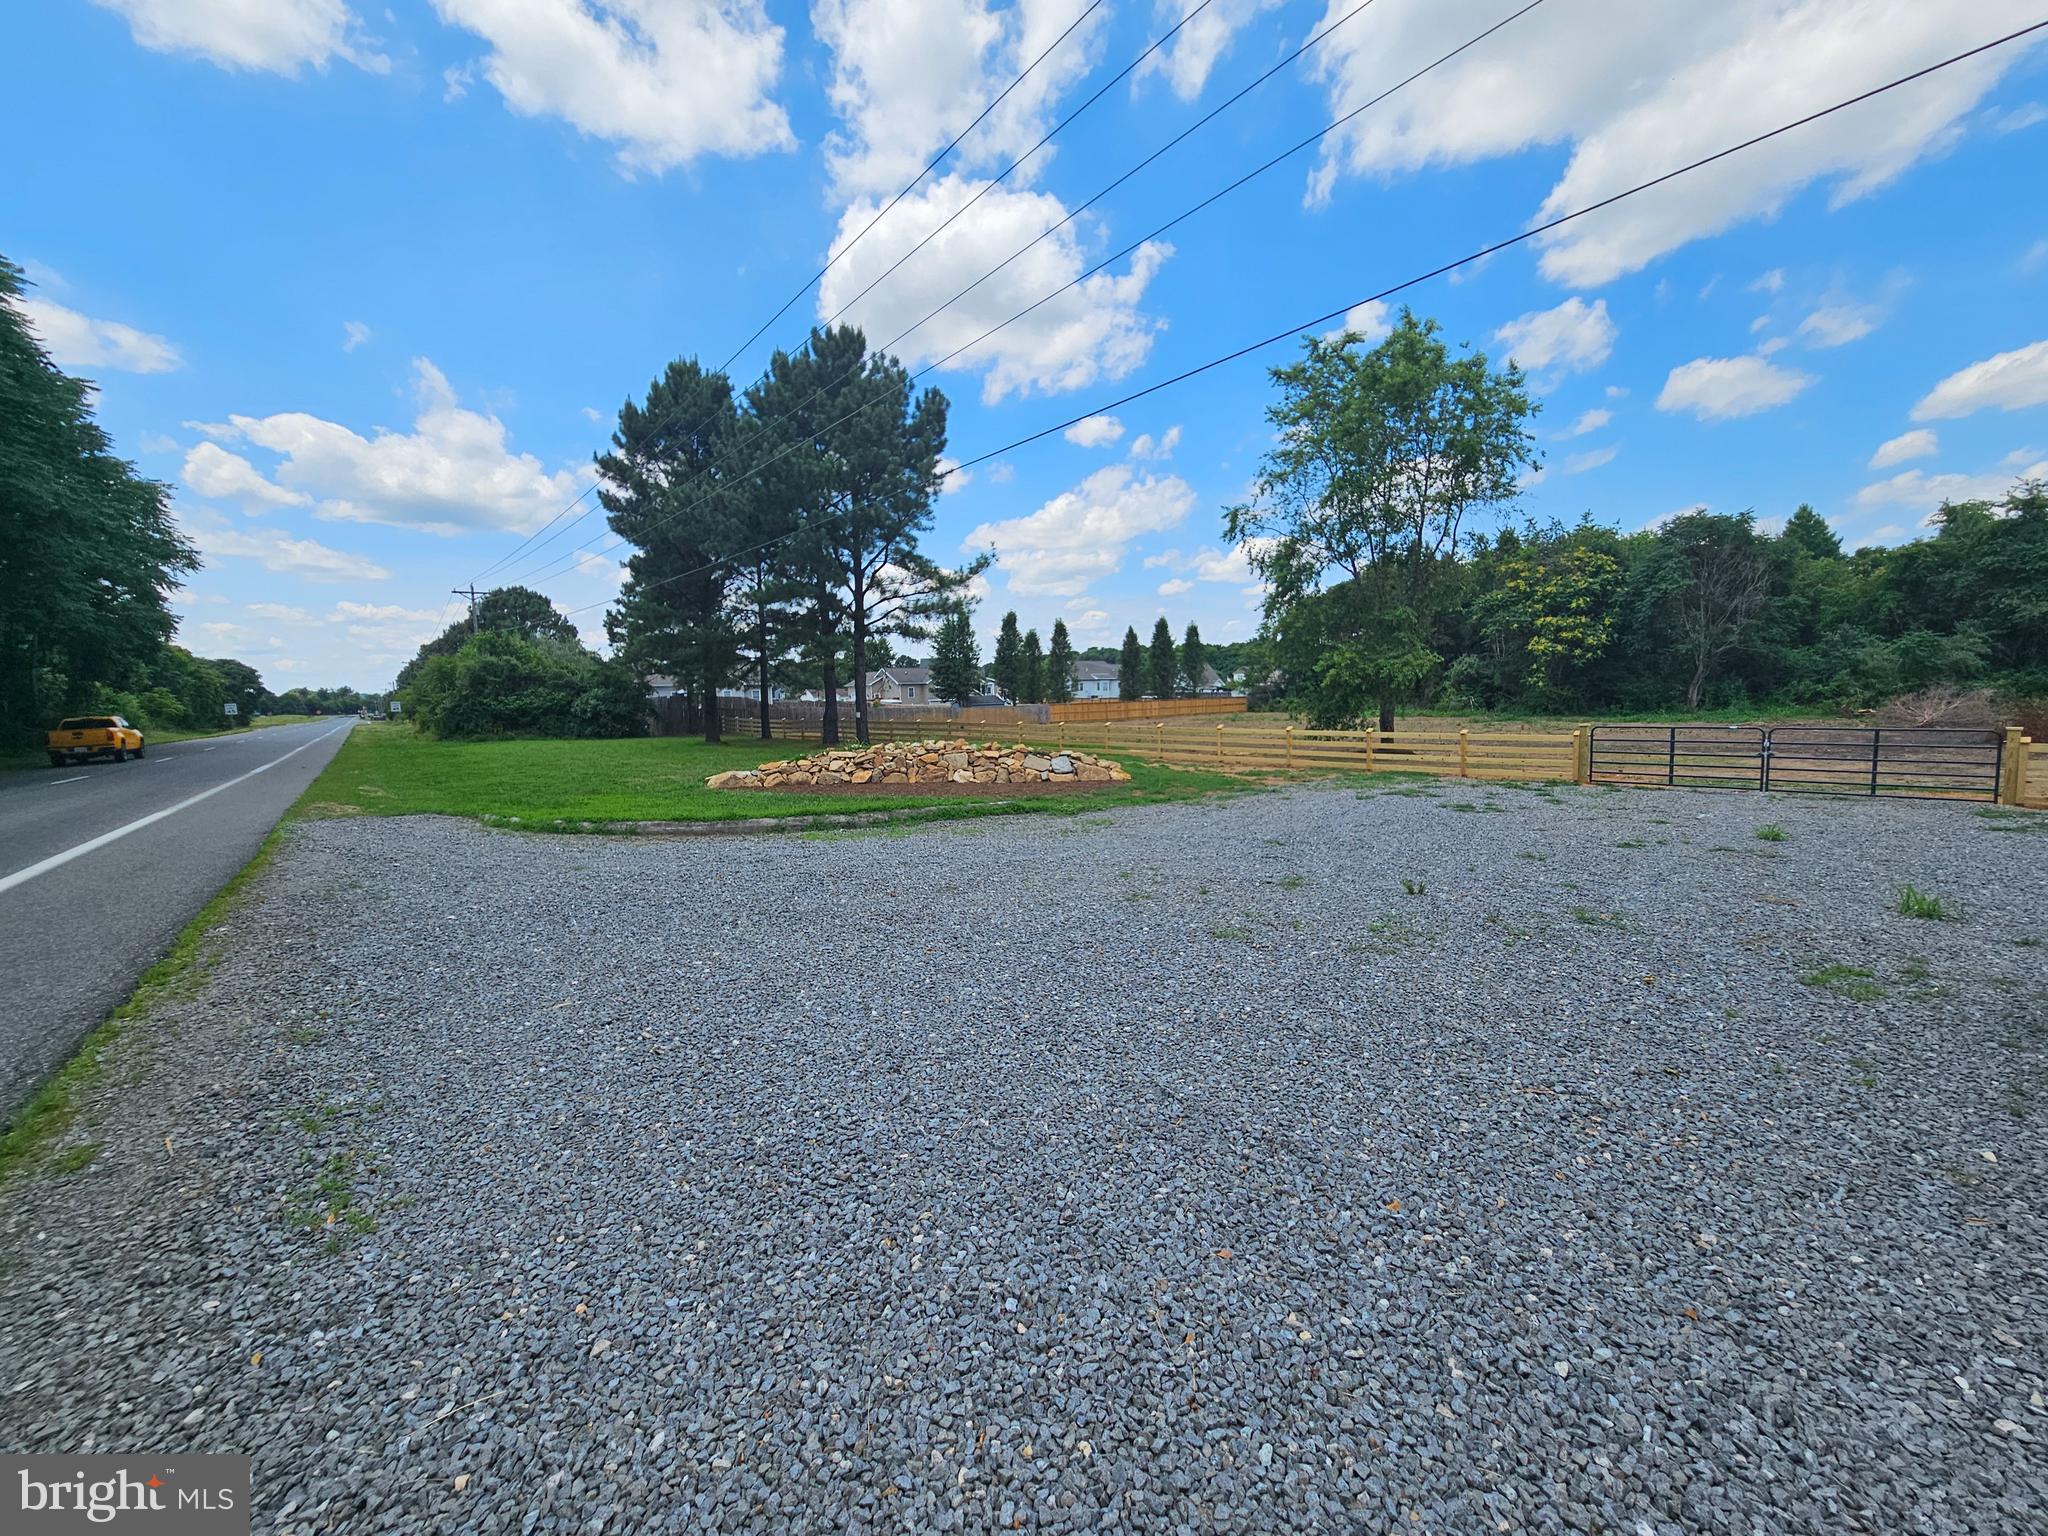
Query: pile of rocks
x,y
926,762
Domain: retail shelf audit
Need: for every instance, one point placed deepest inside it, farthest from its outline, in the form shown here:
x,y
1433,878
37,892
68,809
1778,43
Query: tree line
x,y
89,558
1380,595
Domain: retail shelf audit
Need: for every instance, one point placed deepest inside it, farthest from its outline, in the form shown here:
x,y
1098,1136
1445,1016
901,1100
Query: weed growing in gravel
x,y
2028,943
1390,932
302,1034
2003,818
1414,887
1917,903
1632,842
1230,931
1533,856
74,1158
314,1120
1594,919
1291,882
330,1204
1850,981
1770,832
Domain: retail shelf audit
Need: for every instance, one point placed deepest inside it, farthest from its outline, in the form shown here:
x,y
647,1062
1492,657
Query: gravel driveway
x,y
1172,1169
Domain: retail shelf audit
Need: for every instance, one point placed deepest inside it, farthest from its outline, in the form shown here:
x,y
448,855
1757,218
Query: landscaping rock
x,y
925,762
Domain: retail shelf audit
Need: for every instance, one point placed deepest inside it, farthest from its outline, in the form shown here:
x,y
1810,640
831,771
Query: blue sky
x,y
367,283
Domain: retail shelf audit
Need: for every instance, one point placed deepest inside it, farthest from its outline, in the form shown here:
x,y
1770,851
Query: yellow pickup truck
x,y
75,740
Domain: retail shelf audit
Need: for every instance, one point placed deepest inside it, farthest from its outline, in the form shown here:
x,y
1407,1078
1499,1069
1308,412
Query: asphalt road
x,y
89,899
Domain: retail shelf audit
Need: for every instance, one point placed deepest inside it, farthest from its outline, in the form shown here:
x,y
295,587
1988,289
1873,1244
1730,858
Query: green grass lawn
x,y
392,770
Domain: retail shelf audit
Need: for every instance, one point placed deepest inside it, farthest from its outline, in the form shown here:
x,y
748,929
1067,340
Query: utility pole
x,y
472,594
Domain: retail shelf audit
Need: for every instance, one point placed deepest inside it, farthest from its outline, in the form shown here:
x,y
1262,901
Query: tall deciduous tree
x,y
89,555
1710,580
1383,453
1130,667
1031,669
513,610
956,658
1193,658
1059,665
1161,668
661,486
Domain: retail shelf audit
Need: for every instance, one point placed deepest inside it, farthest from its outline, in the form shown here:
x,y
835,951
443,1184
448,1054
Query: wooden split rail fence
x,y
2021,774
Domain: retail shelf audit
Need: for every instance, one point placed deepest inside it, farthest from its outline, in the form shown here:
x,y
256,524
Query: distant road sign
x,y
397,707
233,708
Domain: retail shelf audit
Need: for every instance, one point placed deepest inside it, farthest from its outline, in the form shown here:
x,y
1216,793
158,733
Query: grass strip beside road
x,y
51,1110
393,770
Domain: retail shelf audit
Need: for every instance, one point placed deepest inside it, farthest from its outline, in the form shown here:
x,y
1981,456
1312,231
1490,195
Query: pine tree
x,y
1193,659
1130,674
1059,665
1160,669
1007,666
1031,670
1808,533
956,659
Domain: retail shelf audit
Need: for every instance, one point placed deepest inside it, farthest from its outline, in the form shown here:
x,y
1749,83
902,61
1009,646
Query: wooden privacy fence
x,y
2026,770
1096,710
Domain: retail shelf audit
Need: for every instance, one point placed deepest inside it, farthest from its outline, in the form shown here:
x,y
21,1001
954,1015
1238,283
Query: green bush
x,y
500,684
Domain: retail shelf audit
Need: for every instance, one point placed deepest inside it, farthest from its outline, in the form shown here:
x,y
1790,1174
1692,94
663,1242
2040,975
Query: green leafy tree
x,y
1031,669
501,684
956,658
1059,665
1708,581
1382,454
1007,665
502,610
1161,668
1130,672
89,554
243,685
1193,658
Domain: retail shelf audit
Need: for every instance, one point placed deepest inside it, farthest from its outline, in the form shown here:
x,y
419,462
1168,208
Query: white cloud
x,y
1617,391
1836,325
353,334
1094,431
1907,445
277,613
1924,493
1175,587
2023,116
453,471
279,552
1772,281
1592,458
2011,381
386,631
908,75
79,341
1890,533
273,35
1588,421
1772,347
2036,257
1369,321
1719,388
664,80
1080,534
1571,338
952,477
213,472
1090,332
1145,446
1187,61
1635,90
592,414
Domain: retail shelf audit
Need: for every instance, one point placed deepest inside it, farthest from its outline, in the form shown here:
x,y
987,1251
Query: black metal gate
x,y
1919,762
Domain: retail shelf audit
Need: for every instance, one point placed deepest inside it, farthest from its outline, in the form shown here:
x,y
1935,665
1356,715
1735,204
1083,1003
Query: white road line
x,y
53,783
56,860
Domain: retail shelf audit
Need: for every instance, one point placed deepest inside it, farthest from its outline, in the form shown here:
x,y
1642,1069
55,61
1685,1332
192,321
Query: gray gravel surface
x,y
1172,1169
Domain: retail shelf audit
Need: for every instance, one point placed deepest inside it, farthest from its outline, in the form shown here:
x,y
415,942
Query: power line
x,y
1401,287
881,214
557,566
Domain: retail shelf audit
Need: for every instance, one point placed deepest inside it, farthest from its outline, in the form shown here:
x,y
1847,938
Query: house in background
x,y
1095,679
900,685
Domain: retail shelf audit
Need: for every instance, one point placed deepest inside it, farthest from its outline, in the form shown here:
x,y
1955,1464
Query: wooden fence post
x,y
1290,746
1582,754
1370,731
2012,777
1464,749
1159,738
1219,746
